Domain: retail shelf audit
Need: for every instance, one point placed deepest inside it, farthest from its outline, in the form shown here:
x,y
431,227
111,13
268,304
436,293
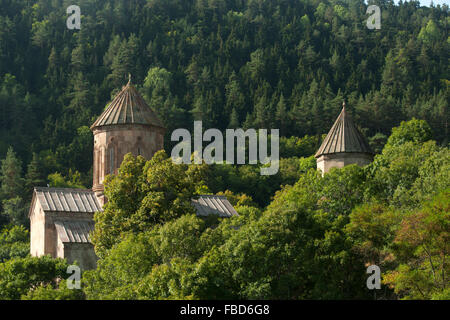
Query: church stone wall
x,y
59,248
50,237
42,233
339,160
37,230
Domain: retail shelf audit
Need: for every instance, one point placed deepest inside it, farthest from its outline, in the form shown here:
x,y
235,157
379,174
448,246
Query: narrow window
x,y
139,151
96,169
111,161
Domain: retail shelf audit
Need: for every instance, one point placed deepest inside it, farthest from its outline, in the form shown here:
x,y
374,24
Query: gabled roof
x,y
128,107
67,200
344,136
74,231
206,205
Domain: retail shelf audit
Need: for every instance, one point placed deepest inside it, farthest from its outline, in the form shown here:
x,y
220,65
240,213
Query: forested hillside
x,y
286,64
236,63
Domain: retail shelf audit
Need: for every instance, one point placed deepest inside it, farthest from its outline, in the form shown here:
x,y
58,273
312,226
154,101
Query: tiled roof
x,y
74,231
128,107
209,205
344,136
67,200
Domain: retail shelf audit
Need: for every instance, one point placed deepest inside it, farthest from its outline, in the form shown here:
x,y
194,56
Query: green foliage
x,y
247,179
14,243
430,32
157,82
299,147
33,177
12,190
434,176
56,180
422,248
377,142
416,131
313,241
16,210
305,164
237,200
400,172
135,258
372,229
19,275
48,292
11,176
291,251
342,189
144,194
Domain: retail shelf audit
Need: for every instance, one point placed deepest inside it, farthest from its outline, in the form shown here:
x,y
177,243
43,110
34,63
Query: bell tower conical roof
x,y
128,107
344,137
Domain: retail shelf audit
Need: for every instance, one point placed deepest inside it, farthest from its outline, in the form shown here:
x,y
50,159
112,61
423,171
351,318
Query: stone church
x,y
61,219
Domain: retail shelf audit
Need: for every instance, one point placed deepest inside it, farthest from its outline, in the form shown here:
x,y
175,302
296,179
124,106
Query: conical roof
x,y
344,136
128,107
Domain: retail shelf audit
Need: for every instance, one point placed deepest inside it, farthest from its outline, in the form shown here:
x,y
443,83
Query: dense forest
x,y
233,63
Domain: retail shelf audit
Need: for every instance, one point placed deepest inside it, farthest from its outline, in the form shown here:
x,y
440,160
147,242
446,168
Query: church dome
x,y
128,107
344,137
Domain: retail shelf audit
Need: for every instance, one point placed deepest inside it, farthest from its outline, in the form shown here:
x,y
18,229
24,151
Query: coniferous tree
x,y
234,119
11,176
33,177
12,189
281,115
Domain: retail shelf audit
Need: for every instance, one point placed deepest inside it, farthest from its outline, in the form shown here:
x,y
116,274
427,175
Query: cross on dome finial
x,y
129,78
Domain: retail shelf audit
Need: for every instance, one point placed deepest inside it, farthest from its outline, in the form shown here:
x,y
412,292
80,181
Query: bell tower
x,y
128,124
